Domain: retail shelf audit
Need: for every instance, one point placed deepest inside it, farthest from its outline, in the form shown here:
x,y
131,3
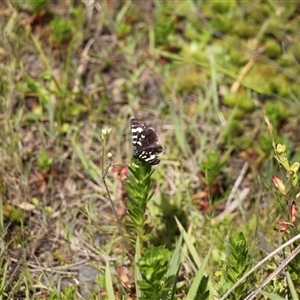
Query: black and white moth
x,y
144,142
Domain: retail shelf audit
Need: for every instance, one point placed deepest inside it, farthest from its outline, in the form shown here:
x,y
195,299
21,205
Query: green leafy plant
x,y
153,267
65,294
61,31
237,264
277,113
164,27
139,192
157,271
287,196
44,161
212,167
154,277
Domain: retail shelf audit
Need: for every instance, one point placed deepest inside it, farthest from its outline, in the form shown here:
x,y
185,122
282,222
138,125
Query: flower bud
x,y
279,185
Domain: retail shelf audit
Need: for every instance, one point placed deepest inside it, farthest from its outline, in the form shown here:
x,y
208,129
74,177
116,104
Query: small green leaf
x,y
44,161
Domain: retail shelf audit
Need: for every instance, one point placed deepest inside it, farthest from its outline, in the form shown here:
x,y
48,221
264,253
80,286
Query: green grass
x,y
77,220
